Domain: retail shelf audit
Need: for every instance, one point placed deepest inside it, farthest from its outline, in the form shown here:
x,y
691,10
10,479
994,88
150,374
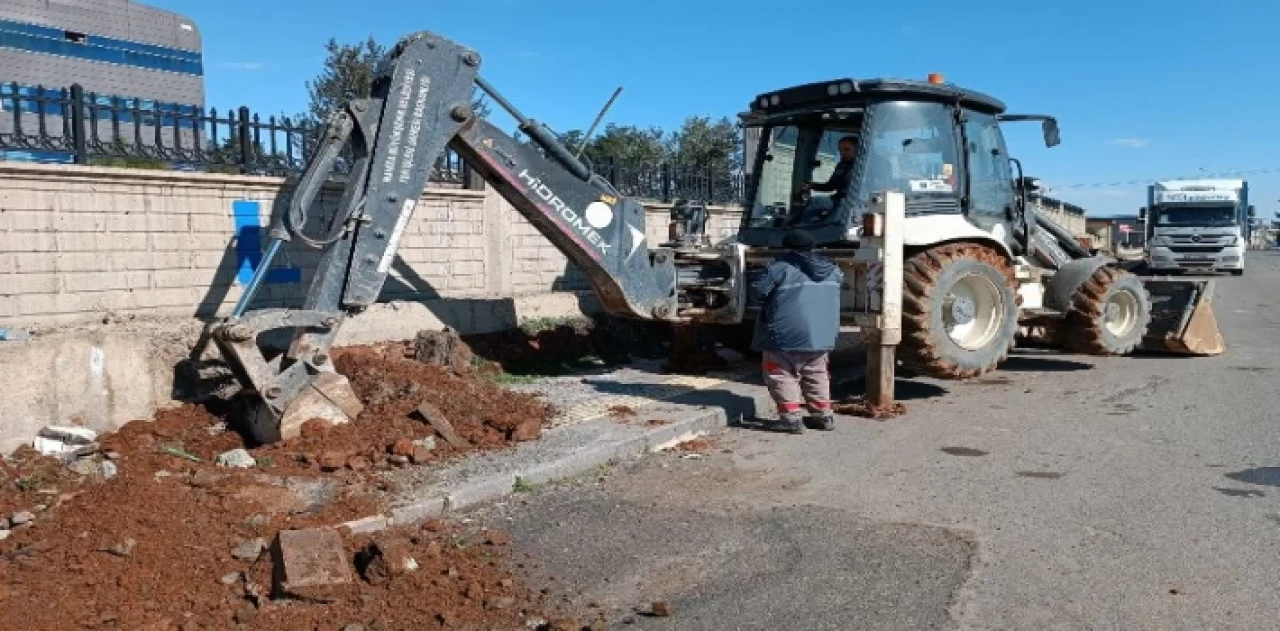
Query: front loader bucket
x,y
1182,319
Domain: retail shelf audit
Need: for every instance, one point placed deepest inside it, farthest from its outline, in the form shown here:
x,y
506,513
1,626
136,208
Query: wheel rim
x,y
973,311
1120,313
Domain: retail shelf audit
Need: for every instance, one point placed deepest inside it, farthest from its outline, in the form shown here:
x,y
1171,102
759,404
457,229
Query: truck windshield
x,y
1197,216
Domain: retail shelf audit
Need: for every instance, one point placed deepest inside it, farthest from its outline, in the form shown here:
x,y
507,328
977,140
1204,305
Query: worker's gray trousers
x,y
798,379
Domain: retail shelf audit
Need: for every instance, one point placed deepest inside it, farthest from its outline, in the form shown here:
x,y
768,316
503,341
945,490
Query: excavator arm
x,y
419,104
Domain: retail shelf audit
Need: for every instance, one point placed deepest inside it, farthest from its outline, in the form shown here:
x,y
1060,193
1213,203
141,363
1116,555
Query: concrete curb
x,y
496,486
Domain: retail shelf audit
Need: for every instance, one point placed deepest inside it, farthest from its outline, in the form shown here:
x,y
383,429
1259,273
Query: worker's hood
x,y
817,267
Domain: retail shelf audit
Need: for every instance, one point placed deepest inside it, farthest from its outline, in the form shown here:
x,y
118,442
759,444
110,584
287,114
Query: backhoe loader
x,y
982,268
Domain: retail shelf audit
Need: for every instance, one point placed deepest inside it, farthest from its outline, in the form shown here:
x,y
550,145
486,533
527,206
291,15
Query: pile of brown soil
x,y
151,533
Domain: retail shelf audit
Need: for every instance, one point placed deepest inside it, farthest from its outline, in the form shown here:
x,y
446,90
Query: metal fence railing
x,y
75,126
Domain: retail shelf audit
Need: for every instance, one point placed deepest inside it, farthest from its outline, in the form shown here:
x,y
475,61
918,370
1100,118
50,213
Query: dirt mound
x,y
151,531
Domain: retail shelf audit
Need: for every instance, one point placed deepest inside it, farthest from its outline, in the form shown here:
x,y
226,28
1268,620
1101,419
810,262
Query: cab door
x,y
991,195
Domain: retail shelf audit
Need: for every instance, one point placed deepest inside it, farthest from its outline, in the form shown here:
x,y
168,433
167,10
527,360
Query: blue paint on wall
x,y
247,215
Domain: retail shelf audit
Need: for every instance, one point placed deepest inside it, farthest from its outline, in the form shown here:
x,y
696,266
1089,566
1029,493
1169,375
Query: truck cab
x,y
1198,225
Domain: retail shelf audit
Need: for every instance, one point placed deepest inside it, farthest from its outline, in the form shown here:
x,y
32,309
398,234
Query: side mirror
x,y
1030,184
1142,214
1052,136
1252,211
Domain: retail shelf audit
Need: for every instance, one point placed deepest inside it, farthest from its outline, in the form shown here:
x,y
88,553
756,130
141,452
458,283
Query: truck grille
x,y
1196,249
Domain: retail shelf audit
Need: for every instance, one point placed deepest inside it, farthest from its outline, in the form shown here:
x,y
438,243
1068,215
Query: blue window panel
x,y
37,30
43,40
249,245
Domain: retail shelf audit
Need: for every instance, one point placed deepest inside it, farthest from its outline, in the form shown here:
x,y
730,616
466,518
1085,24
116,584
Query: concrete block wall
x,y
82,244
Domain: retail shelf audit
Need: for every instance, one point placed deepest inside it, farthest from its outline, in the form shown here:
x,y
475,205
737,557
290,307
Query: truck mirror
x,y
1142,214
1031,184
1253,212
1052,136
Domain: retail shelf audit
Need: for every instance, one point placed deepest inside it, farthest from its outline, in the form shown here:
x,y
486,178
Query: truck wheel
x,y
1237,272
959,311
1109,314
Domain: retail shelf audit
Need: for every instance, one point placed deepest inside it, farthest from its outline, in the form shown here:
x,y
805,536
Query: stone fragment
x,y
310,563
236,458
249,549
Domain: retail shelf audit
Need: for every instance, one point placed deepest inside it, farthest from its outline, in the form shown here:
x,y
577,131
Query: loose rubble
x,y
859,406
173,523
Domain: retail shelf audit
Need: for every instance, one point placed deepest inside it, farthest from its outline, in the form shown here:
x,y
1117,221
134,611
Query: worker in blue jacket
x,y
797,329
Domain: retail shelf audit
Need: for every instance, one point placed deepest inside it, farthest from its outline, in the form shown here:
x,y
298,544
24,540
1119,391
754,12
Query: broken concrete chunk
x,y
109,469
21,517
438,422
230,579
366,525
83,466
4,534
249,550
310,563
384,560
124,548
69,435
236,458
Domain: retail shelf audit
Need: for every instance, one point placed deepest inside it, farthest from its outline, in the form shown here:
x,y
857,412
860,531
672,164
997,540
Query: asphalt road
x,y
1062,492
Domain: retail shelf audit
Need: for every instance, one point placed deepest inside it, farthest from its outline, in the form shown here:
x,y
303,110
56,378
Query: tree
x,y
622,145
701,141
348,74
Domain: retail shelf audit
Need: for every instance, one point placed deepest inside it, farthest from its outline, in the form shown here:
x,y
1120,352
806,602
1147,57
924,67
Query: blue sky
x,y
1143,89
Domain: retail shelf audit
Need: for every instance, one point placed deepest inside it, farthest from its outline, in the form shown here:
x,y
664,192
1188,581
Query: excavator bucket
x,y
1182,320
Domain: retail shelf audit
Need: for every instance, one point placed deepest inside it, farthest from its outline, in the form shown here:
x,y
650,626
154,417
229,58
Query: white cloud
x,y
248,66
1130,143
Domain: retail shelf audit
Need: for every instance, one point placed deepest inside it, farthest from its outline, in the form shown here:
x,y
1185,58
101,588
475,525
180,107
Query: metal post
x,y
245,139
79,143
882,352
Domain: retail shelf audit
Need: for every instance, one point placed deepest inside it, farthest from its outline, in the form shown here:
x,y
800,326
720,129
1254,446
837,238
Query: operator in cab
x,y
838,184
796,331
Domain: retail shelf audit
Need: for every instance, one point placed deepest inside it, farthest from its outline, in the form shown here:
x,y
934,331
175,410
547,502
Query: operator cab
x,y
822,149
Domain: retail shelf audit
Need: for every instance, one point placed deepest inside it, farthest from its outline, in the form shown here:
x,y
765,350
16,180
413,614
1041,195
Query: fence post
x,y
78,141
666,182
245,140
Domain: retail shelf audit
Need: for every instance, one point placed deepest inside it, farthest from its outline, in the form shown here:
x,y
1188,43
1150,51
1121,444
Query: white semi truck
x,y
1197,225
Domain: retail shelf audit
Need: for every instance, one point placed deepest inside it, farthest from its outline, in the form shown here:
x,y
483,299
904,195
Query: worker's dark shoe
x,y
825,422
791,424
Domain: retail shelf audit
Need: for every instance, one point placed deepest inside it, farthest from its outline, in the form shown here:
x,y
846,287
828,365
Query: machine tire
x,y
928,277
1087,329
